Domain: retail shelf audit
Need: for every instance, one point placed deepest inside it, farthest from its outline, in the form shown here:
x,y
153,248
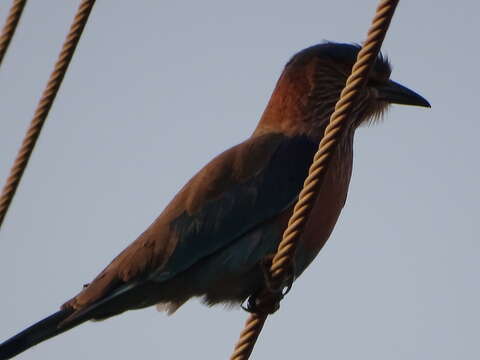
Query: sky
x,y
156,89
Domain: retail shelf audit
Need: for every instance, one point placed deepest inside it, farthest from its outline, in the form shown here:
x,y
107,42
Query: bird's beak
x,y
395,93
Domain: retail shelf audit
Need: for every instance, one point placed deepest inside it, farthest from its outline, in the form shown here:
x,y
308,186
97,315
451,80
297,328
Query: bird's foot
x,y
263,302
271,284
267,300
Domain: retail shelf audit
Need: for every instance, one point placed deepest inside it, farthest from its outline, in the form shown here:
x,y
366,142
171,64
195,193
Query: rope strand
x,y
10,26
286,250
44,106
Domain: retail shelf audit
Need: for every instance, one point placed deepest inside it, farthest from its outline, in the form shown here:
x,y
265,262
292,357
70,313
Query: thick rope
x,y
44,106
10,26
286,250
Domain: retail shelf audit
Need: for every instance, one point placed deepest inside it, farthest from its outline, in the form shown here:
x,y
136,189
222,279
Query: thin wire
x,y
10,26
44,106
286,250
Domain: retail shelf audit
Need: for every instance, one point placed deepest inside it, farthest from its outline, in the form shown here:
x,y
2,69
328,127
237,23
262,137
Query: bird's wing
x,y
237,191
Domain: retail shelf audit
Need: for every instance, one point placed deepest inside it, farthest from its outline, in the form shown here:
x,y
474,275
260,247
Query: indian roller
x,y
212,238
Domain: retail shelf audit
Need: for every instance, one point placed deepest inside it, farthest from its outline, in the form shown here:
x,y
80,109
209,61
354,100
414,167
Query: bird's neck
x,y
287,109
294,109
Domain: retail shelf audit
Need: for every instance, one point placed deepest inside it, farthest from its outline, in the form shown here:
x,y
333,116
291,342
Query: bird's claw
x,y
267,301
270,285
263,303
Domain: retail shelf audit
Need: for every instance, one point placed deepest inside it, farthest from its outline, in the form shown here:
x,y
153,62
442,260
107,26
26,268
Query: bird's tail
x,y
68,318
42,330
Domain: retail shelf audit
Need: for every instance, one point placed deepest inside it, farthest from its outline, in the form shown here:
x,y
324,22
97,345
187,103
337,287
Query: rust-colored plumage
x,y
211,239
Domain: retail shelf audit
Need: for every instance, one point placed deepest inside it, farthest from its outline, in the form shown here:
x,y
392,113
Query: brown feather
x,y
152,249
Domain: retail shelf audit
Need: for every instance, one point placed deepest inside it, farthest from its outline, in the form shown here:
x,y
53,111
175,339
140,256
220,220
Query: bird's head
x,y
310,85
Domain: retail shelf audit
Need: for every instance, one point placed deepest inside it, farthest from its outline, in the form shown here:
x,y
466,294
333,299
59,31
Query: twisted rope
x,y
44,106
286,250
10,26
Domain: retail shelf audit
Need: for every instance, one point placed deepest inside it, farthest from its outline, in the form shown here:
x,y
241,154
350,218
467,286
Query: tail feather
x,y
42,330
68,318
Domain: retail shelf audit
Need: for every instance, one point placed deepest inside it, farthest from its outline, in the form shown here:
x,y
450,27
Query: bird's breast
x,y
329,203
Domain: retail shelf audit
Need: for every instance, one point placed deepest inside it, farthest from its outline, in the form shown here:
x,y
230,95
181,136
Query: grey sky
x,y
158,88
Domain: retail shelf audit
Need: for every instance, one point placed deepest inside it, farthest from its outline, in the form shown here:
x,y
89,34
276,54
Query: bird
x,y
214,238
